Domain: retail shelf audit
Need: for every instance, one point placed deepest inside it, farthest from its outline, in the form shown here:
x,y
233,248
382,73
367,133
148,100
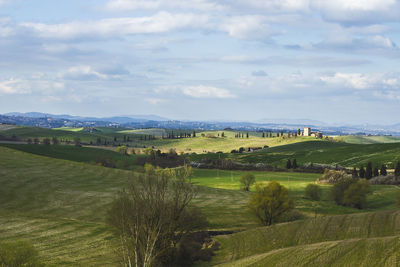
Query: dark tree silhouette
x,y
368,171
288,164
362,172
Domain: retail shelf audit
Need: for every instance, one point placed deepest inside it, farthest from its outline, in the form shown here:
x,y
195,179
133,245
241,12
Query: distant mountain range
x,y
152,121
116,119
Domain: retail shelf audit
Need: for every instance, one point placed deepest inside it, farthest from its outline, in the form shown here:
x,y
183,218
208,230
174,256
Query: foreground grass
x,y
60,206
341,240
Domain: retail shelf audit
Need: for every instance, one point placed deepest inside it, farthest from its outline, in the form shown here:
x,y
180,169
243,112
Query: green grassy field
x,y
60,207
74,153
59,204
361,139
323,152
380,198
344,240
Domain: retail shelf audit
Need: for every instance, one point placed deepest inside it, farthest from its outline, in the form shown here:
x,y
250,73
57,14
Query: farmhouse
x,y
308,132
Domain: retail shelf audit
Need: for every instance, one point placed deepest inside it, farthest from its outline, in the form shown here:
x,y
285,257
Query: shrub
x,y
313,192
337,191
355,194
269,202
247,180
18,254
332,176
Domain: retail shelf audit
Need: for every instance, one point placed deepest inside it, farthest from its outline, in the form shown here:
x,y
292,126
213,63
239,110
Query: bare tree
x,y
151,217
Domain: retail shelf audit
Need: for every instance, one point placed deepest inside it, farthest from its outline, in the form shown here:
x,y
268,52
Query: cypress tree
x,y
247,135
383,170
368,171
288,164
362,172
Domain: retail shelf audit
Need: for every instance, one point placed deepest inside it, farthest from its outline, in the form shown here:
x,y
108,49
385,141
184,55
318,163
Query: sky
x,y
336,61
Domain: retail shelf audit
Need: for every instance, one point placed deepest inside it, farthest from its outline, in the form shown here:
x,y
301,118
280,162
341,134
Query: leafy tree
x,y
383,170
36,140
247,180
151,218
368,171
376,172
29,141
354,173
355,194
362,172
288,164
247,135
270,201
397,170
294,165
313,192
338,189
19,254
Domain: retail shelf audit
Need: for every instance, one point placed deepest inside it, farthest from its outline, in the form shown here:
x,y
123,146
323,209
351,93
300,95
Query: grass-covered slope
x,y
372,252
362,139
60,206
322,240
73,153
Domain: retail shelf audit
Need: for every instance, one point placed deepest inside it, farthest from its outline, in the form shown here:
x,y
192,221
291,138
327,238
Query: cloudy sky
x,y
330,60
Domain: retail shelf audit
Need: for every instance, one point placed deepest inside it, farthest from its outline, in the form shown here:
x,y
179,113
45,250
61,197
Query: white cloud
x,y
154,101
28,86
158,23
357,11
82,73
362,81
202,91
162,4
246,27
14,86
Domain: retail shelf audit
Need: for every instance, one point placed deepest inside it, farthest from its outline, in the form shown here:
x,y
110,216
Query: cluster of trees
x,y
156,224
370,172
162,159
241,135
291,165
53,140
178,135
350,192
